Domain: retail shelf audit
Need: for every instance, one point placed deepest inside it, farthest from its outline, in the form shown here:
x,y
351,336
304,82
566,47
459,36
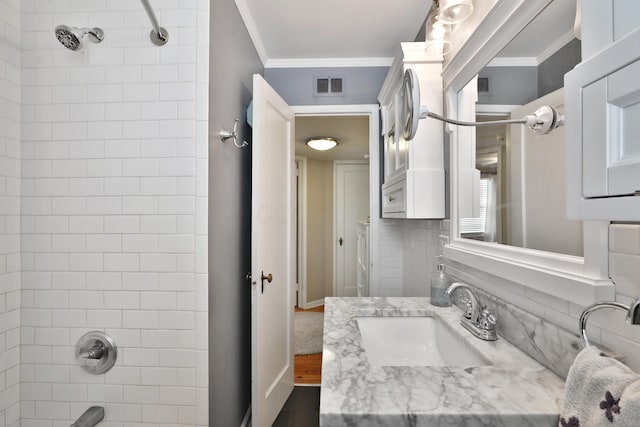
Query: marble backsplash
x,y
552,346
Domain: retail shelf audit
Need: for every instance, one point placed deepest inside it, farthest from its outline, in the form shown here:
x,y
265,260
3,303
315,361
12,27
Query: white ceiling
x,y
548,32
314,33
352,133
352,32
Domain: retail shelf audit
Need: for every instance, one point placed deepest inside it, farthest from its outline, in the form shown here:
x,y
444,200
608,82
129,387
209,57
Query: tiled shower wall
x,y
114,168
9,213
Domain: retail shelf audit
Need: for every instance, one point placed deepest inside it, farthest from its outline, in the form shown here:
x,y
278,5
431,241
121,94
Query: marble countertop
x,y
514,391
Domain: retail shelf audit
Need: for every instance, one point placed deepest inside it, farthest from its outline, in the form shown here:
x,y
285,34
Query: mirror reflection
x,y
522,175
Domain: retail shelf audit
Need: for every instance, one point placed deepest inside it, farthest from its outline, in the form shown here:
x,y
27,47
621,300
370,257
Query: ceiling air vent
x,y
329,86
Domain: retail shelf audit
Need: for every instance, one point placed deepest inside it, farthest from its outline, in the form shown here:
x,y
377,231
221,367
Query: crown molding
x,y
556,46
523,61
495,109
534,61
327,62
245,13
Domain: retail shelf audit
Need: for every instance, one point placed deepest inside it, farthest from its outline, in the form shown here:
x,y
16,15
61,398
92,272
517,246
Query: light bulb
x,y
438,31
455,11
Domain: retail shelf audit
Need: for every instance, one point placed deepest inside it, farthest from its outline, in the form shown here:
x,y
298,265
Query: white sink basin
x,y
415,341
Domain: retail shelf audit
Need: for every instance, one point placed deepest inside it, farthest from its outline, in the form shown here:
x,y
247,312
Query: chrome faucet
x,y
90,417
476,319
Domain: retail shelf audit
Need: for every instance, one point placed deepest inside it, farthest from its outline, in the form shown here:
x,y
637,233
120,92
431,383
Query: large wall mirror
x,y
508,184
522,181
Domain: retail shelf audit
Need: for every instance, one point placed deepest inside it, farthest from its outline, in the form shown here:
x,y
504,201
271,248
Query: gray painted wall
x,y
551,72
521,85
296,85
509,85
233,61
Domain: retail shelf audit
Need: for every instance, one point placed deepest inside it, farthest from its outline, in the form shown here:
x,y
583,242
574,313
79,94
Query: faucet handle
x,y
468,307
487,320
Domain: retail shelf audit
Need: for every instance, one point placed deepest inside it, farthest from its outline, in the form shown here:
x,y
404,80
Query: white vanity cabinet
x,y
413,185
603,124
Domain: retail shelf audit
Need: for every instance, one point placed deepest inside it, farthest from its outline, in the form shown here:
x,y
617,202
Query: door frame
x,y
301,252
371,111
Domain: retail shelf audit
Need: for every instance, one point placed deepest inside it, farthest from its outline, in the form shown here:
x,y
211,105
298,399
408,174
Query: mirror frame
x,y
581,280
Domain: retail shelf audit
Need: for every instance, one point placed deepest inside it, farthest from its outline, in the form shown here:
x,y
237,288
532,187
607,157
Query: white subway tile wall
x,y
390,258
114,218
10,262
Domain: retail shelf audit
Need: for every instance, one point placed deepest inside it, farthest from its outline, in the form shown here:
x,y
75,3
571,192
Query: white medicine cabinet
x,y
603,110
414,182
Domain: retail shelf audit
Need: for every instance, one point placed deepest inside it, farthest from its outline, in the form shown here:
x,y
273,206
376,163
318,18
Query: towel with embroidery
x,y
600,391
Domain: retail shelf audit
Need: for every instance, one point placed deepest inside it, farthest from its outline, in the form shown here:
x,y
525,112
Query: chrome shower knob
x,y
96,352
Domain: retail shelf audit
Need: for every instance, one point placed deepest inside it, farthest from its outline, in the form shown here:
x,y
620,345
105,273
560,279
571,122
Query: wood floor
x,y
308,368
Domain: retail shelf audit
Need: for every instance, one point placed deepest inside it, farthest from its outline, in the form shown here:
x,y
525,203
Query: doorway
x,y
333,194
307,368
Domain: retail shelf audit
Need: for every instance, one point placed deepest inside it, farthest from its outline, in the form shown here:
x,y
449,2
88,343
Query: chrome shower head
x,y
71,37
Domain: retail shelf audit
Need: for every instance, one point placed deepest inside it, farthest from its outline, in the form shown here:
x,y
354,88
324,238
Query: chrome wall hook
x,y
224,135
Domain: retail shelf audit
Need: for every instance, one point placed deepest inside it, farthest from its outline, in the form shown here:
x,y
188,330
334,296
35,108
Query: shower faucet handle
x,y
96,352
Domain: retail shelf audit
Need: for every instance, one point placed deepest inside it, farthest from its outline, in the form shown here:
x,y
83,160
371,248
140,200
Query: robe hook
x,y
224,135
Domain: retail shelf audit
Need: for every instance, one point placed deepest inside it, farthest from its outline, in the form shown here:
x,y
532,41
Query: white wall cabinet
x,y
413,185
603,129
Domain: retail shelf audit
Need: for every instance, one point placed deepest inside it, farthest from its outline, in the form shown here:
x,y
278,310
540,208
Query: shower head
x,y
71,37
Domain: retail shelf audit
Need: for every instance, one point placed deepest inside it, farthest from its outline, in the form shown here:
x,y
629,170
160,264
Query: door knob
x,y
268,278
340,240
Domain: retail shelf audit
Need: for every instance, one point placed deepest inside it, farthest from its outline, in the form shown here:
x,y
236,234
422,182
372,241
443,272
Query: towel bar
x,y
633,315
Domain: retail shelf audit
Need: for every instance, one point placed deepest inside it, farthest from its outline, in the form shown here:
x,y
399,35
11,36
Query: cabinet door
x,y
611,134
402,146
390,143
395,146
603,134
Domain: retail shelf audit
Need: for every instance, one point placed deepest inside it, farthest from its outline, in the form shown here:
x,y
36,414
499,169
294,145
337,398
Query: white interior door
x,y
272,254
352,205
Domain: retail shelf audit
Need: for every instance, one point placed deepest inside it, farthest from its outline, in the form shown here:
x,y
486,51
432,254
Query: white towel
x,y
600,391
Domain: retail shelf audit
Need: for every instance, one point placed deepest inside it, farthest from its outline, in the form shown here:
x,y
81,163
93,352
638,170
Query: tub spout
x,y
90,418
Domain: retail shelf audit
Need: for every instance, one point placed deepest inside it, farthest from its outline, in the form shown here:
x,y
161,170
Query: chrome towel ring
x,y
633,315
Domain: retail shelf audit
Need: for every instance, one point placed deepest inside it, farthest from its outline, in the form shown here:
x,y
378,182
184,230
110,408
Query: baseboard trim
x,y
306,385
314,304
246,421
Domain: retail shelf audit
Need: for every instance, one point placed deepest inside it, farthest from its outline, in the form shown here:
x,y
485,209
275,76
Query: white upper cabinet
x,y
603,118
414,185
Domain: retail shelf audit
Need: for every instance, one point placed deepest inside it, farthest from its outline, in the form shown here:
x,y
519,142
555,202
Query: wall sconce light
x,y
444,13
455,11
322,143
438,35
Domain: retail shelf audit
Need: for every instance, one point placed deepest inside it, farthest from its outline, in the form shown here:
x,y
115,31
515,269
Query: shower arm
x,y
159,35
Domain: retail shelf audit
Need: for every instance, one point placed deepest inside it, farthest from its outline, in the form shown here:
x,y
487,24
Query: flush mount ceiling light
x,y
455,11
322,143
